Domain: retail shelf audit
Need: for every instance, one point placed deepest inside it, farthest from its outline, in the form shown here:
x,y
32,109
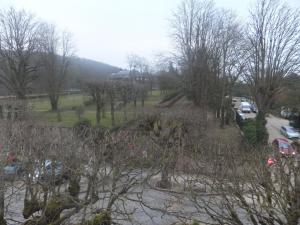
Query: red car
x,y
282,146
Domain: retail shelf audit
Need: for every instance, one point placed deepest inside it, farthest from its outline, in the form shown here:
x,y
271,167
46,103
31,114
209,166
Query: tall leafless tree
x,y
272,49
97,90
125,90
56,51
112,94
208,40
19,45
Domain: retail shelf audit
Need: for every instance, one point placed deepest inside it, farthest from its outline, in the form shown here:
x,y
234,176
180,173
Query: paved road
x,y
273,126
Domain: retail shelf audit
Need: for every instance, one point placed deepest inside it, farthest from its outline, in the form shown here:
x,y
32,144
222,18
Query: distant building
x,y
136,78
122,74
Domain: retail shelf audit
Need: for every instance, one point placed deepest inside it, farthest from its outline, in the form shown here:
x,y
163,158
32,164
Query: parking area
x,y
237,105
273,123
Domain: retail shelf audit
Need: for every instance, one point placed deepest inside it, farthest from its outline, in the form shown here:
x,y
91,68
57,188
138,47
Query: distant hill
x,y
80,70
85,69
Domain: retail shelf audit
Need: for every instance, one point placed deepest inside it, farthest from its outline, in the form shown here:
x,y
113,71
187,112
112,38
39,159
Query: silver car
x,y
289,132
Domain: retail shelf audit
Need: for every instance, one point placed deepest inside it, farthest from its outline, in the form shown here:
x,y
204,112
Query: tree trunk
x,y
218,113
164,182
1,112
103,111
228,116
54,103
98,114
58,116
261,131
125,111
143,101
112,112
222,116
228,110
21,95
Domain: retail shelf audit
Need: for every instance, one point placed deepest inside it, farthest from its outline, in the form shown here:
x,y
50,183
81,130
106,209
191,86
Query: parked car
x,y
282,147
50,172
253,108
12,171
245,107
289,132
295,121
242,115
285,113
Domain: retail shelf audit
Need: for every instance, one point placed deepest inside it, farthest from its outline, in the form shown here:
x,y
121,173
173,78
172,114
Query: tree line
x,y
215,50
115,94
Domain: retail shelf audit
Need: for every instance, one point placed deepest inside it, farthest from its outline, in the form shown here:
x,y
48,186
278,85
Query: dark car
x,y
12,171
282,147
253,108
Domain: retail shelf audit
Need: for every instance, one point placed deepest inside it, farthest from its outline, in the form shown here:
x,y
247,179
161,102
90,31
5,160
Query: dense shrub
x,y
74,187
82,128
30,207
102,218
53,209
261,131
3,221
255,131
249,129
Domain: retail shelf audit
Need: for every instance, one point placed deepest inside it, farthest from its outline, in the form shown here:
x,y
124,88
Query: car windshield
x,y
291,129
284,145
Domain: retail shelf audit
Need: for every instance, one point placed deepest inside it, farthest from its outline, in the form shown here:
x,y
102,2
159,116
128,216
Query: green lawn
x,y
68,104
65,102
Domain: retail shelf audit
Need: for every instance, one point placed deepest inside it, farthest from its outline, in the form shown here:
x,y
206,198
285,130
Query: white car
x,y
245,107
289,132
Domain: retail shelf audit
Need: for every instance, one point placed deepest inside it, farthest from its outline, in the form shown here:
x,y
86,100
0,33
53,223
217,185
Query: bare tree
x,y
228,64
209,41
19,45
56,52
97,90
245,190
272,49
140,74
112,94
125,93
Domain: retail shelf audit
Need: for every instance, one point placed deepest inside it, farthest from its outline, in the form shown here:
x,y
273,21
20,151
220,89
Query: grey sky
x,y
108,30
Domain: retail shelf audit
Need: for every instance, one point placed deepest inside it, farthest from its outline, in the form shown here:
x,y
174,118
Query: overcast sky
x,y
109,30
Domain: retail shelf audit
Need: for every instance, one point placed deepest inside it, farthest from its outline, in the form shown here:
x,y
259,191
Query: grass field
x,y
68,104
